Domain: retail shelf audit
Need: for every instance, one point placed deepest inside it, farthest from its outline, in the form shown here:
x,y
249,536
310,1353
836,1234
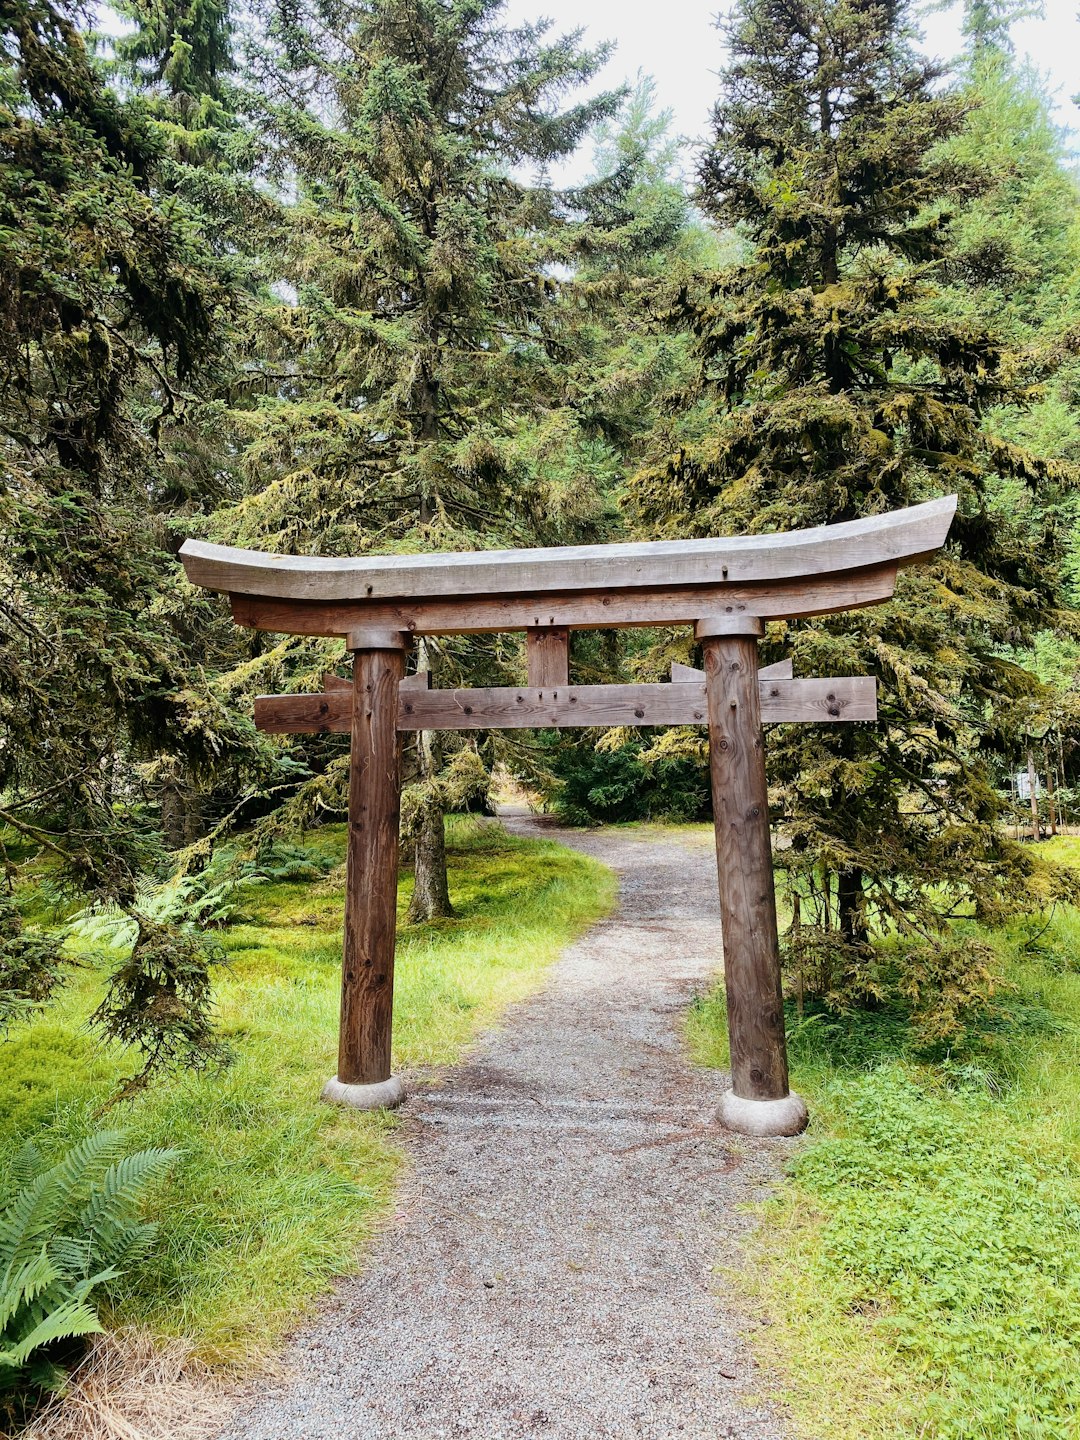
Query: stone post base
x,y
764,1117
384,1095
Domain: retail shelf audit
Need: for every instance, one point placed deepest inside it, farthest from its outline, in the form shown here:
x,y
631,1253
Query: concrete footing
x,y
764,1117
384,1095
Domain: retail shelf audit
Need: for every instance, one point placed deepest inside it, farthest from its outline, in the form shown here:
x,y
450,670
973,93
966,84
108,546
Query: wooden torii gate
x,y
725,588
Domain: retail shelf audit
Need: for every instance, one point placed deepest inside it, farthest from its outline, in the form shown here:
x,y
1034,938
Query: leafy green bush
x,y
68,1229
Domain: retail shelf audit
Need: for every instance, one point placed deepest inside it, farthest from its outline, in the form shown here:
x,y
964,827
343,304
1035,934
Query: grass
x,y
920,1267
277,1192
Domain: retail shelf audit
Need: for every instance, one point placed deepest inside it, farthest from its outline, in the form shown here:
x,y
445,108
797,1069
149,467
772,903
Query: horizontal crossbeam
x,y
900,536
575,610
509,708
778,670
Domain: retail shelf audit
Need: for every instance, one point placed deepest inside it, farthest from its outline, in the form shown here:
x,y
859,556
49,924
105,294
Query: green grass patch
x,y
920,1267
276,1192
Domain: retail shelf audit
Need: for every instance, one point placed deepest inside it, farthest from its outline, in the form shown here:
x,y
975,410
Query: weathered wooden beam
x,y
759,1101
575,610
899,536
363,1076
419,681
507,708
778,670
547,651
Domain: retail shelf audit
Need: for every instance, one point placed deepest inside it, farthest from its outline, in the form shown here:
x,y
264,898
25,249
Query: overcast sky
x,y
676,42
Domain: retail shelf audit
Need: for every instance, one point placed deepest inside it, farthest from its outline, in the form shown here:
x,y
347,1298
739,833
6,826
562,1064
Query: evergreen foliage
x,y
414,395
109,304
295,277
835,380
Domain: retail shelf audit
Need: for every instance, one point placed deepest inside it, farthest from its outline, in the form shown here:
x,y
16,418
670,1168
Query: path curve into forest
x,y
550,1271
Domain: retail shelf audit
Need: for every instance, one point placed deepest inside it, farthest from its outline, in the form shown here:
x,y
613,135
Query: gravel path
x,y
551,1269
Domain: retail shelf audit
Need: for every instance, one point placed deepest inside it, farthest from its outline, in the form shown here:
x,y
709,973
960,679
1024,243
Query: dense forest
x,y
296,276
297,279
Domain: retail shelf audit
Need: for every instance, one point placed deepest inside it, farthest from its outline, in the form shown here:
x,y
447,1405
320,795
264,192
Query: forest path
x,y
550,1270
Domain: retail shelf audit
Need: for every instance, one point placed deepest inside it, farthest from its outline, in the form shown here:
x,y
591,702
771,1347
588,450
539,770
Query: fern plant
x,y
69,1228
186,901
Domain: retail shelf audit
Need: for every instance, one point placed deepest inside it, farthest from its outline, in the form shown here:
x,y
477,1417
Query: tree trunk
x,y
181,815
849,905
431,892
1050,793
431,888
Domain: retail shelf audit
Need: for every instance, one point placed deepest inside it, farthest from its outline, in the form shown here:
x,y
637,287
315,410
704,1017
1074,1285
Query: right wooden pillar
x,y
760,1101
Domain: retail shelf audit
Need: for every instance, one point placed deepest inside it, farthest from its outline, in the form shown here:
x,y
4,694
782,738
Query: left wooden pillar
x,y
363,1078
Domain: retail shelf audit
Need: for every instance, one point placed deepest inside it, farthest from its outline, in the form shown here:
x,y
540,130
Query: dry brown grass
x,y
130,1387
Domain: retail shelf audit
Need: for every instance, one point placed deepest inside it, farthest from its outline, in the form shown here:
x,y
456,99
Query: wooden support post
x,y
547,650
759,1102
363,1077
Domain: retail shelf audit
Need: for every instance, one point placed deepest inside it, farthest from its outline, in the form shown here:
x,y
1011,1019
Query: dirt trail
x,y
551,1269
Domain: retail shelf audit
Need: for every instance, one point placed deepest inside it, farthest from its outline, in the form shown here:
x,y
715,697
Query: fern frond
x,y
113,1200
73,1317
27,1163
43,1206
76,1217
18,1291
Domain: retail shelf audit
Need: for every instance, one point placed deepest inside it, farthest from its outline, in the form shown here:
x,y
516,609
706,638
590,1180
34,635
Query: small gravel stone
x,y
551,1270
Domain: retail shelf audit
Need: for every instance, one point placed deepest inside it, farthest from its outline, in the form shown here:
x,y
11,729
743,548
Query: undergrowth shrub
x,y
31,964
67,1230
943,984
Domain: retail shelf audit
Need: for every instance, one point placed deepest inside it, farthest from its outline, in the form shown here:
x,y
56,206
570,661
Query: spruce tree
x,y
1013,262
109,306
834,381
413,397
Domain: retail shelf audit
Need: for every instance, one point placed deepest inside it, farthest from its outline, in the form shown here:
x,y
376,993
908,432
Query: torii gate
x,y
725,588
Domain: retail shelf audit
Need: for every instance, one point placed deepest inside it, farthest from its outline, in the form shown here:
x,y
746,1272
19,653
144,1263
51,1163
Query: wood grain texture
x,y
367,972
508,708
606,610
419,681
547,651
778,670
744,870
900,536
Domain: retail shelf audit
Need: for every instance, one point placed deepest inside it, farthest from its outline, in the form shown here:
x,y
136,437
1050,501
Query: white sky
x,y
676,42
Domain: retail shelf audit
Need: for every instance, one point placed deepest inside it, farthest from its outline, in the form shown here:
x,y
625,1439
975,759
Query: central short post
x,y
363,1078
759,1102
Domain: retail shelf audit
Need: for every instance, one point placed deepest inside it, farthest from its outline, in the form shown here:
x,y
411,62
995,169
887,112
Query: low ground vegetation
x,y
271,1192
920,1269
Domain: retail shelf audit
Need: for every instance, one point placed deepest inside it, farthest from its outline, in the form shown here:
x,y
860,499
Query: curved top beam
x,y
897,538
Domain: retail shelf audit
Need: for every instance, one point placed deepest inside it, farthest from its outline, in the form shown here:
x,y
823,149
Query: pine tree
x,y
180,60
835,381
414,398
